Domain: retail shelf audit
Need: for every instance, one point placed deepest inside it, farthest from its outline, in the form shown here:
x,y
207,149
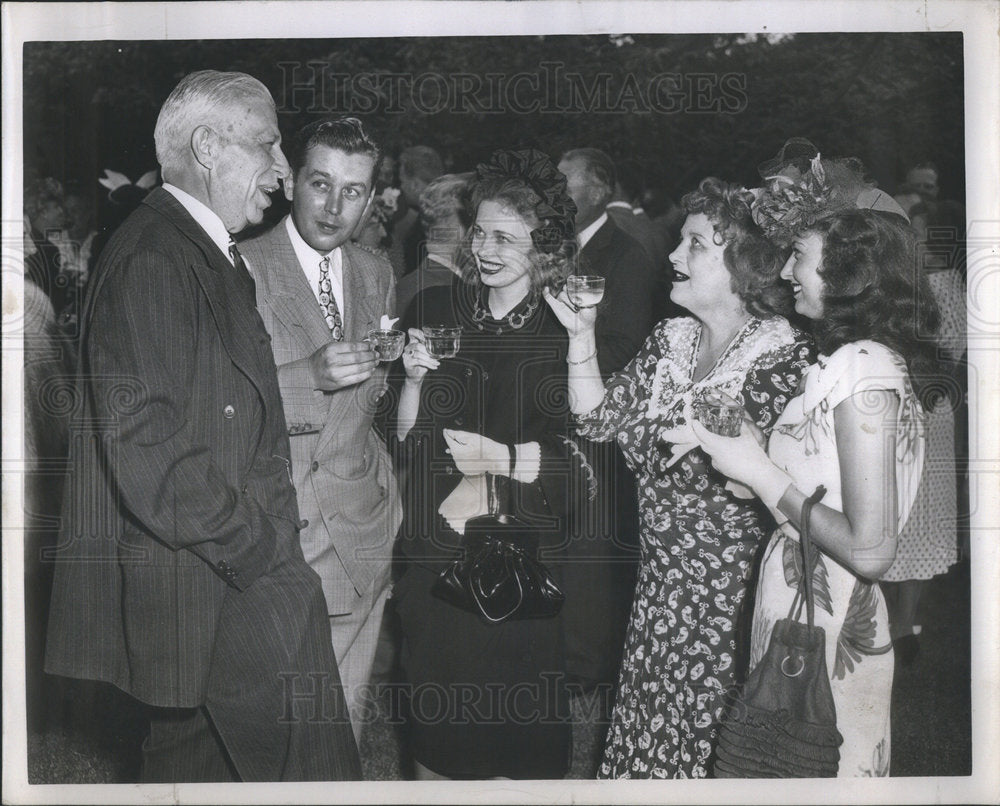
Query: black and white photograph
x,y
468,400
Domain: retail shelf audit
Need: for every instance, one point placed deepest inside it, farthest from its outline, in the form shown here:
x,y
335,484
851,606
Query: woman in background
x,y
928,544
445,217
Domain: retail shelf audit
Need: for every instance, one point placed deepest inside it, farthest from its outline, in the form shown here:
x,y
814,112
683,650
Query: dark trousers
x,y
274,708
184,746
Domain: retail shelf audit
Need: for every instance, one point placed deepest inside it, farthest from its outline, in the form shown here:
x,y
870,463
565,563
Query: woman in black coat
x,y
490,700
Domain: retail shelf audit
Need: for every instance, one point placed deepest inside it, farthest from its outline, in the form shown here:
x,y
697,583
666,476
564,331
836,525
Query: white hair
x,y
198,99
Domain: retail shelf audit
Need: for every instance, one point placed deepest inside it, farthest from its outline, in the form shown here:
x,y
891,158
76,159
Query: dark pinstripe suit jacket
x,y
179,487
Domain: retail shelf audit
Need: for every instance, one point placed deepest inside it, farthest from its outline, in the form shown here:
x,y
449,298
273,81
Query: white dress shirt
x,y
587,232
205,217
309,260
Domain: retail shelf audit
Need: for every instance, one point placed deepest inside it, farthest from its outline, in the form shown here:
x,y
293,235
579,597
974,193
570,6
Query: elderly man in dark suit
x,y
179,577
319,295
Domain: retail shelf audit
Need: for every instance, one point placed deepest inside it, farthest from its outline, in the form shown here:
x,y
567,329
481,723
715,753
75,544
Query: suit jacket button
x,y
302,524
459,421
229,412
315,466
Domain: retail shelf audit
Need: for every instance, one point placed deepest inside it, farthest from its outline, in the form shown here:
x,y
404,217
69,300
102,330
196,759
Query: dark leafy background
x,y
891,99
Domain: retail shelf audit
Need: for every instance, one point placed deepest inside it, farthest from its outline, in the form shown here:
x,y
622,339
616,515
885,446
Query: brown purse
x,y
784,723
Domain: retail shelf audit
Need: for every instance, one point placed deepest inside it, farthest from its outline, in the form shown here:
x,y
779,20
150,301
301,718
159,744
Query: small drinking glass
x,y
724,419
387,344
442,341
585,291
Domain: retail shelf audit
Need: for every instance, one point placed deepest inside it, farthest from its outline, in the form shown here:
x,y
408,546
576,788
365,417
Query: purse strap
x,y
492,501
807,559
481,596
499,495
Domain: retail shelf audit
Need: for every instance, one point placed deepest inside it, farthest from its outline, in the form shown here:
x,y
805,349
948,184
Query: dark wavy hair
x,y
754,263
873,288
527,183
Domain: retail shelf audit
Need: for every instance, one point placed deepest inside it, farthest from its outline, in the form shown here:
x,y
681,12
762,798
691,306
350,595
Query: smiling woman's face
x,y
501,246
802,271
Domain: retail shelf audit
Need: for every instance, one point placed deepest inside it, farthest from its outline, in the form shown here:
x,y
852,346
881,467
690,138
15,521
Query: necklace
x,y
515,320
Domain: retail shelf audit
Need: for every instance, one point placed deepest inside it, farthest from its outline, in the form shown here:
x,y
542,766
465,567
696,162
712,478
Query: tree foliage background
x,y
891,99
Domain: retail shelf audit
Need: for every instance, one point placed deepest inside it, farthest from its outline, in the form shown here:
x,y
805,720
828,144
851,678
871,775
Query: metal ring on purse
x,y
797,672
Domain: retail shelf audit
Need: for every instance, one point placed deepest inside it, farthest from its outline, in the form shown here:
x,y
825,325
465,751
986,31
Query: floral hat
x,y
801,187
556,211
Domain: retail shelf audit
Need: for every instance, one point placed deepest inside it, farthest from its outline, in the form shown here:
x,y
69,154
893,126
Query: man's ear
x,y
204,146
288,183
368,205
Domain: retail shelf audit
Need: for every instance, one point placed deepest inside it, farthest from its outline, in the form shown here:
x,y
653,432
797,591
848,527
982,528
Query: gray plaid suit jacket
x,y
340,467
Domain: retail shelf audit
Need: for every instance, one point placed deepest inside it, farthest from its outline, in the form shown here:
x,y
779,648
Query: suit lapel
x,y
216,278
360,314
291,299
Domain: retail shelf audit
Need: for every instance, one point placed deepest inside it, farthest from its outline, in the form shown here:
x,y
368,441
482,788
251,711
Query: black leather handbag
x,y
499,577
784,723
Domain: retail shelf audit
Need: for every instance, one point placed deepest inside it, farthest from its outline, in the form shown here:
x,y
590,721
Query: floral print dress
x,y
698,539
850,610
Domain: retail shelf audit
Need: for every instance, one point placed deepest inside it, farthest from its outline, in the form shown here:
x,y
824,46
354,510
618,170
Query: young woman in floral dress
x,y
855,427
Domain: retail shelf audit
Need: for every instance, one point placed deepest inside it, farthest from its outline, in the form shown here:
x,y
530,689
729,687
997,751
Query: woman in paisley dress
x,y
855,427
698,534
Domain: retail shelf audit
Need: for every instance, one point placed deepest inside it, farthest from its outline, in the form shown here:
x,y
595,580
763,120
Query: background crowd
x,y
696,301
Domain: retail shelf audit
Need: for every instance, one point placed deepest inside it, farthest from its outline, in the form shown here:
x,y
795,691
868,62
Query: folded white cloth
x,y
469,499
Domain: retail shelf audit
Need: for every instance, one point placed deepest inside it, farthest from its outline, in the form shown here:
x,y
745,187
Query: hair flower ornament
x,y
801,187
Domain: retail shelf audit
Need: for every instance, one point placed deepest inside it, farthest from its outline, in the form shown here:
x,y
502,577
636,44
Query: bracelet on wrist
x,y
582,360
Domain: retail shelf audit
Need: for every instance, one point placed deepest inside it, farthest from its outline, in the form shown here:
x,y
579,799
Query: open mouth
x,y
796,289
485,267
679,276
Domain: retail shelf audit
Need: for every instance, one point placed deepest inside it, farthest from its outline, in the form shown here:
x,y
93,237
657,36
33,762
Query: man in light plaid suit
x,y
319,295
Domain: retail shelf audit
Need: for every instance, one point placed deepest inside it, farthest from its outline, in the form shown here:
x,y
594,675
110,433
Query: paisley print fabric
x,y
850,610
698,539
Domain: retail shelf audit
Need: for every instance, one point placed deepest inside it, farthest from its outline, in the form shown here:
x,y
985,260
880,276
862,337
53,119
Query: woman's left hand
x,y
741,458
475,454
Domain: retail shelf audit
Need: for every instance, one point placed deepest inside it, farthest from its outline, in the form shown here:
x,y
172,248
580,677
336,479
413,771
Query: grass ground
x,y
92,734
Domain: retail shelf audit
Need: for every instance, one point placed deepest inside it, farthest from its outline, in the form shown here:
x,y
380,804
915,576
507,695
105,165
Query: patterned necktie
x,y
243,275
328,302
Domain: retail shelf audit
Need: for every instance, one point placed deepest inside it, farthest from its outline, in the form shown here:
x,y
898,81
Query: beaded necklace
x,y
514,319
